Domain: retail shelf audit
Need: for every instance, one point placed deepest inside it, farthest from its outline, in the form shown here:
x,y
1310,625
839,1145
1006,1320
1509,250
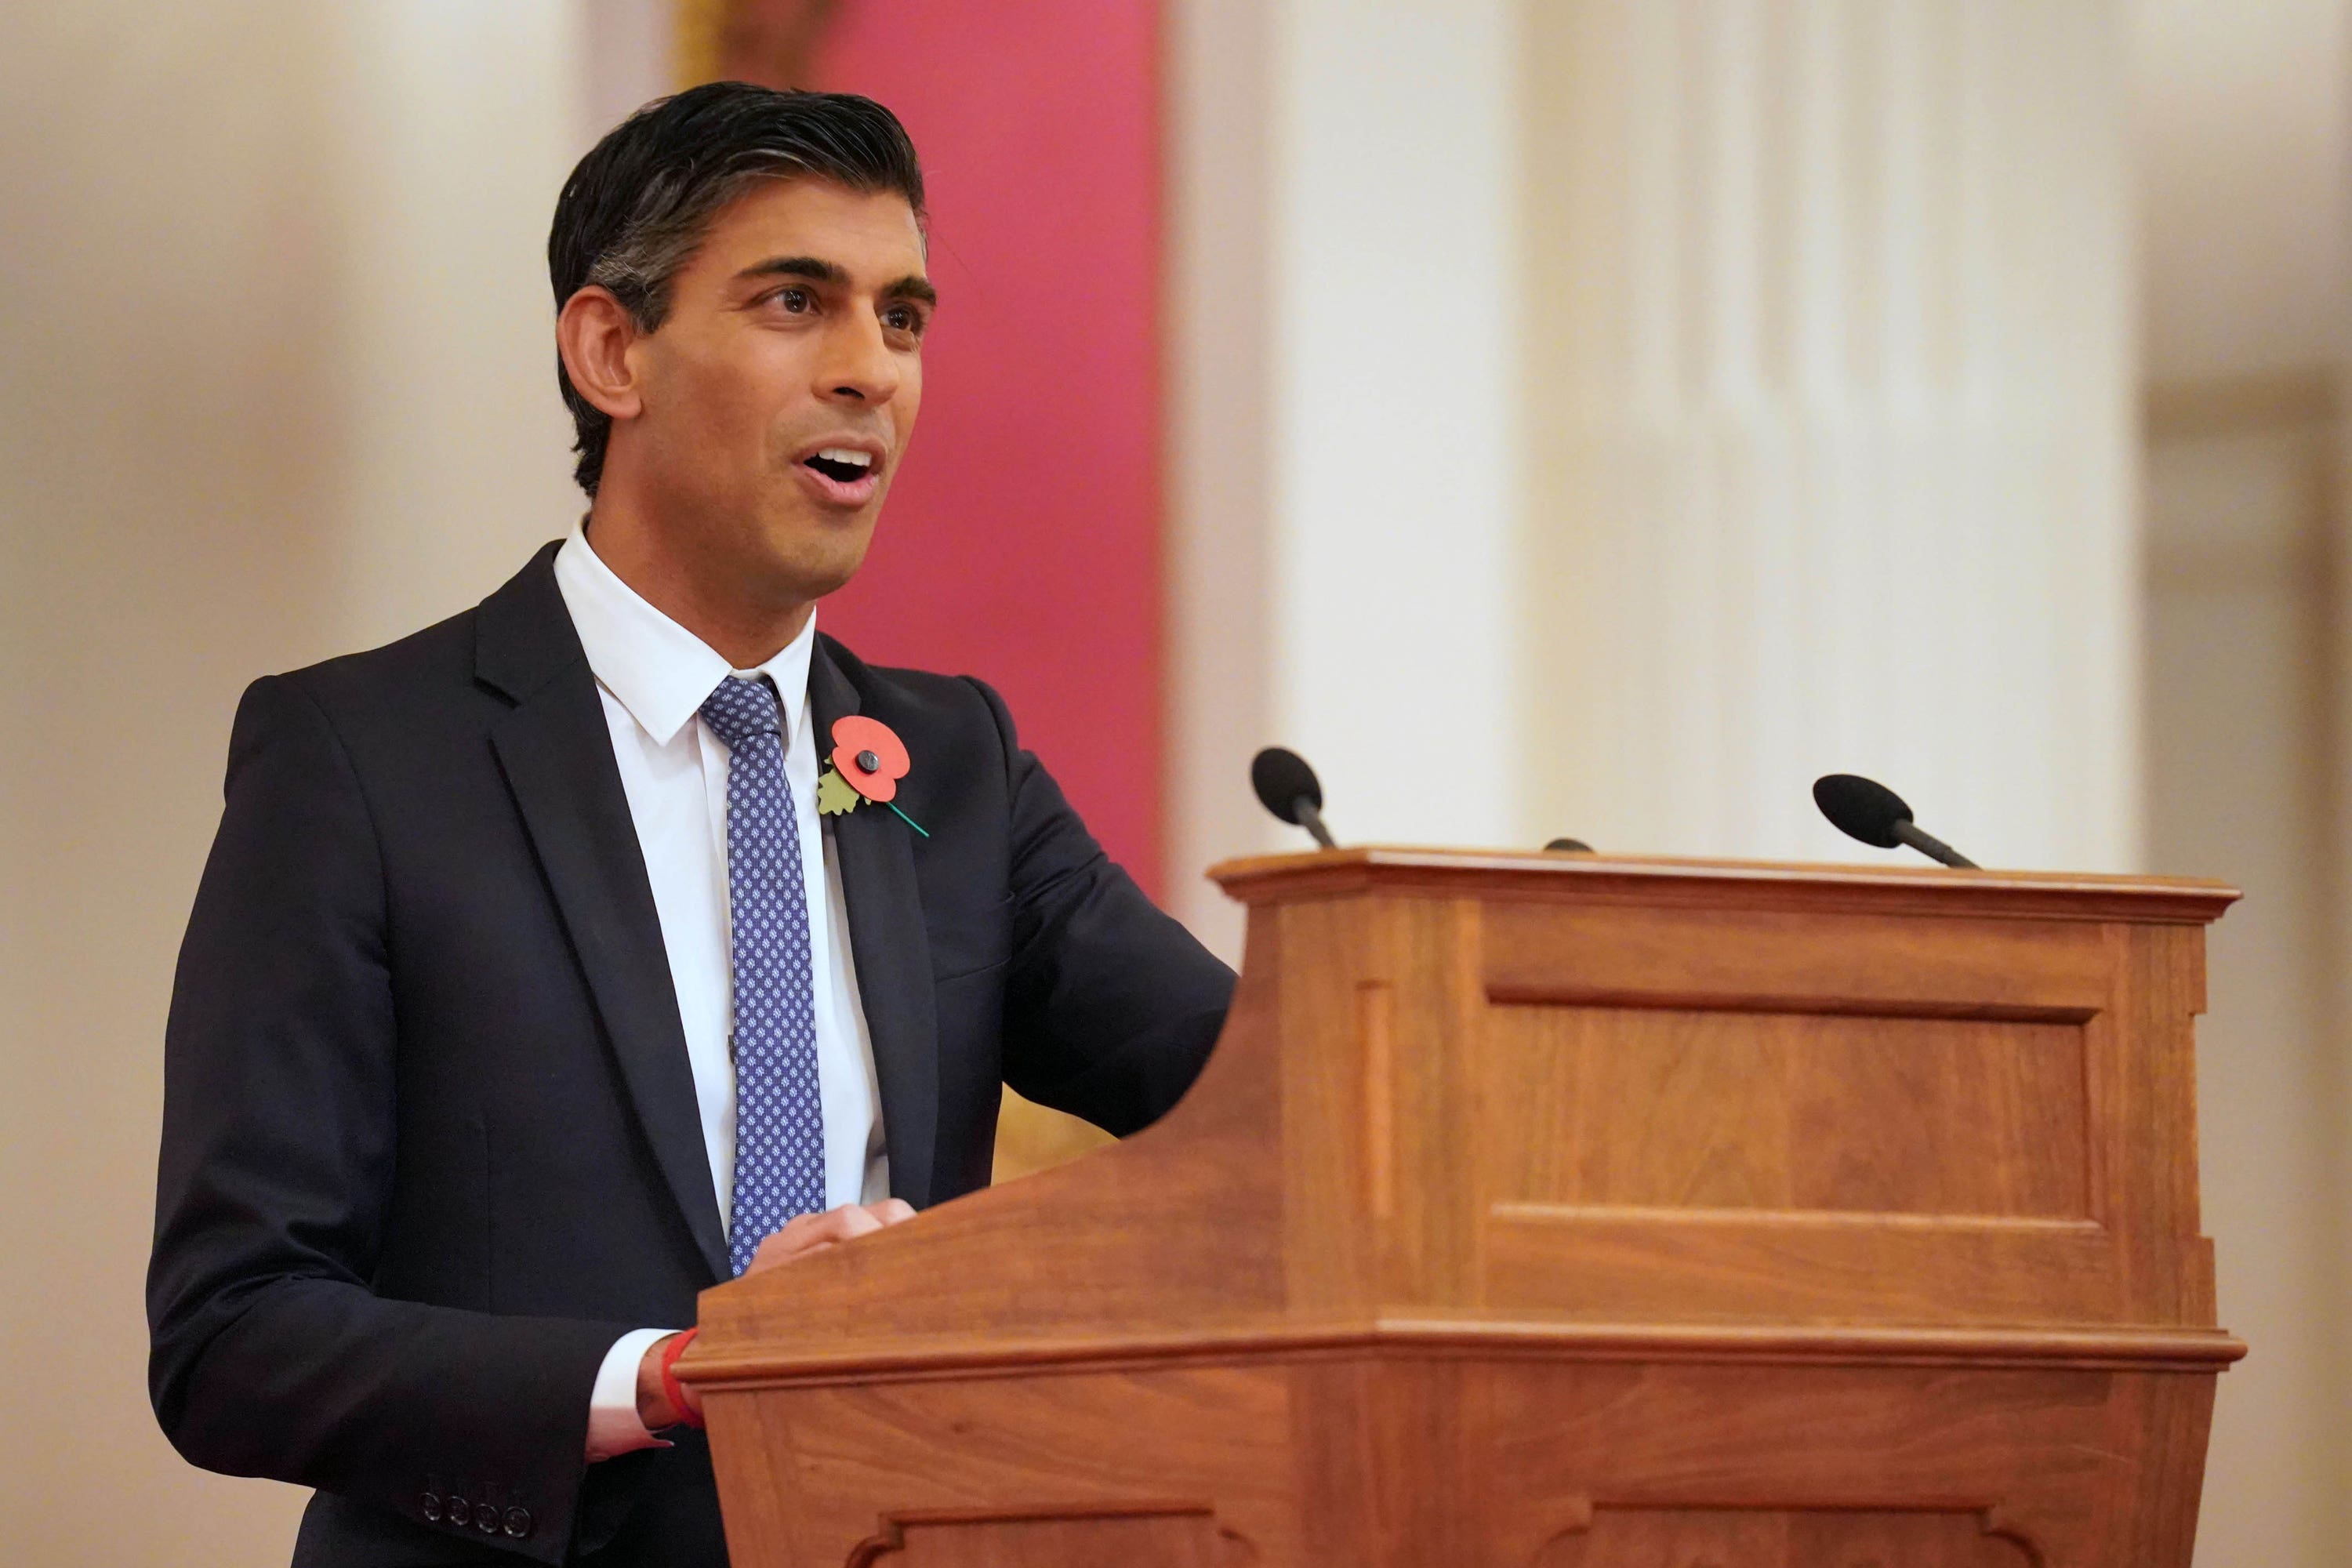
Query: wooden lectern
x,y
1548,1211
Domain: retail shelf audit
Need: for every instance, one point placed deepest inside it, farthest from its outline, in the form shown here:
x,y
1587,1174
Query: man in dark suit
x,y
623,934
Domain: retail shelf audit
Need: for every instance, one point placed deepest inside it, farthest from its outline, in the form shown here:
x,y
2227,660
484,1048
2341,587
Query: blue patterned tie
x,y
779,1116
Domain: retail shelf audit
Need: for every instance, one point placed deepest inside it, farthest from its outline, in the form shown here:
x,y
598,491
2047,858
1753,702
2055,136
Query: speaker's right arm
x,y
270,1352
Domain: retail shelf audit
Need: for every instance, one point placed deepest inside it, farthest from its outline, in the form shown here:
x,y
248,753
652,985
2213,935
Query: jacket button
x,y
431,1504
486,1520
517,1522
460,1512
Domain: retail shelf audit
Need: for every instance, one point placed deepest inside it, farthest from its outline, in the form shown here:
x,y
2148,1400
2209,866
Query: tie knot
x,y
740,709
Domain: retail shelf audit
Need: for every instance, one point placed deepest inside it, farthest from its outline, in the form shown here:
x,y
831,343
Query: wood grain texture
x,y
1786,1538
1823,1114
1548,1210
1142,1535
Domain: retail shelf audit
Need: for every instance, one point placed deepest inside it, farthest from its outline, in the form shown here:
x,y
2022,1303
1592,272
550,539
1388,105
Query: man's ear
x,y
595,334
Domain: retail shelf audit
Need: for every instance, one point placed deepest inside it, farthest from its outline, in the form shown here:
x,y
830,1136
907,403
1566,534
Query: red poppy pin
x,y
867,761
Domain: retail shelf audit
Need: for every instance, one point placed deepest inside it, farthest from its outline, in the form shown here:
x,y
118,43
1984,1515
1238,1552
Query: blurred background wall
x,y
276,385
2243,176
1552,416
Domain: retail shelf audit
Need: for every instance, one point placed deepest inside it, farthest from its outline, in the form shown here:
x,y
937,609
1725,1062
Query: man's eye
x,y
903,319
799,301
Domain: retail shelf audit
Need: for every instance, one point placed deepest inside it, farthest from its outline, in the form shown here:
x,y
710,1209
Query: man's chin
x,y
808,562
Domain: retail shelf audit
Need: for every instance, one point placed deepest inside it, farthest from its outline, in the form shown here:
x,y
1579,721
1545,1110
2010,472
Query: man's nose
x,y
858,366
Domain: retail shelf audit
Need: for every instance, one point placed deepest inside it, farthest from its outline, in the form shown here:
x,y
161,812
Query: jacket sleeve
x,y
270,1354
1111,1006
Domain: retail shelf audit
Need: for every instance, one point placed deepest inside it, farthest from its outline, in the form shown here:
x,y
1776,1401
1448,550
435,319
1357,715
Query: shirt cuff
x,y
613,1427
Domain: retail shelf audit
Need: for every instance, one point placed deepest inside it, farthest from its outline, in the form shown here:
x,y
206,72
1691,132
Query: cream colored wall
x,y
274,383
2239,629
2242,127
2241,115
1662,406
1344,467
1828,415
1219,703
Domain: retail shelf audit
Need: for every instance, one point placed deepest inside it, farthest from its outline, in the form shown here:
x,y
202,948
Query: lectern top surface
x,y
1577,876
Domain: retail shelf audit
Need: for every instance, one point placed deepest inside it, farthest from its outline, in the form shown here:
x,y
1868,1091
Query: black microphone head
x,y
1281,780
1573,846
1861,808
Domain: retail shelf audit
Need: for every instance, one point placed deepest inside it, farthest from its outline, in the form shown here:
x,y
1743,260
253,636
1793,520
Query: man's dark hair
x,y
640,203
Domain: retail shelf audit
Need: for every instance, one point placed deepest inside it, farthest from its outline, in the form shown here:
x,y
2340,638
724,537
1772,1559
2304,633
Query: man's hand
x,y
808,1233
815,1232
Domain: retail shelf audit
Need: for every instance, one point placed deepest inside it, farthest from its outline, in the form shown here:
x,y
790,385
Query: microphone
x,y
1286,786
1574,846
1866,809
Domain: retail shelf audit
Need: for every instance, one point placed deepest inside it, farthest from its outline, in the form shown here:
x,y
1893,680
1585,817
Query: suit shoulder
x,y
437,661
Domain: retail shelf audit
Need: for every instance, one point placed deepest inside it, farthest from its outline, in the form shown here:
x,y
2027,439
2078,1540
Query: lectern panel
x,y
1185,1466
1783,1538
1677,1108
1732,1265
1835,959
1137,1538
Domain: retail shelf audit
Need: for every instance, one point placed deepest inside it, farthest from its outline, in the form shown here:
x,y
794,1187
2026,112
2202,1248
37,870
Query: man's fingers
x,y
777,1248
798,1236
815,1232
833,1225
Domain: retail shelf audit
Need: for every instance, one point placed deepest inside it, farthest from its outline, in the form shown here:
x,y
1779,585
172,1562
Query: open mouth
x,y
840,465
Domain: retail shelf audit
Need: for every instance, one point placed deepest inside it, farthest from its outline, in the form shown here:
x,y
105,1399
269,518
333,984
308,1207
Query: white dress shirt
x,y
652,675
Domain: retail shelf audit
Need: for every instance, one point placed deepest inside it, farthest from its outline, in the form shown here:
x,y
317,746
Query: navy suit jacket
x,y
430,1141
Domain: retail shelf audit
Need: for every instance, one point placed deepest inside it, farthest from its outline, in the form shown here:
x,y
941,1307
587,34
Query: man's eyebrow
x,y
813,268
818,270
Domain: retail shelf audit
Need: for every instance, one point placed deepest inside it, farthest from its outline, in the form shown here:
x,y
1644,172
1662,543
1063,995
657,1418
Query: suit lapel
x,y
891,950
558,759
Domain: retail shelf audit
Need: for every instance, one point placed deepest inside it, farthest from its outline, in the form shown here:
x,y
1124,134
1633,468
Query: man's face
x,y
779,393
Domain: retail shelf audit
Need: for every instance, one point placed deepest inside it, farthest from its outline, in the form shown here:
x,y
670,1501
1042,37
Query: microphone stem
x,y
1933,847
1310,818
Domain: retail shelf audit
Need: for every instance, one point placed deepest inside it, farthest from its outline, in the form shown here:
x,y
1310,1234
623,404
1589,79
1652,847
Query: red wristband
x,y
670,1389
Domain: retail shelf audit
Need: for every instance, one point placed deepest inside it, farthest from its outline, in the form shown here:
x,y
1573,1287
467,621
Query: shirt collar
x,y
655,668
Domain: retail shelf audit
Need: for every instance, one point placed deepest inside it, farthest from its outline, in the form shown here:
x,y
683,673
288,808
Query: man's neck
x,y
744,633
